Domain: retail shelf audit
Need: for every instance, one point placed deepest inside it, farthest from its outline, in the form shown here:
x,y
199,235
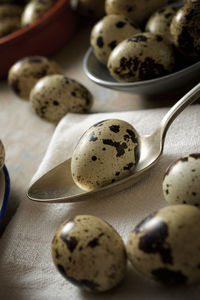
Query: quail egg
x,y
181,183
108,151
108,33
159,22
185,28
34,10
141,57
89,253
9,10
9,25
55,95
165,245
2,154
137,11
94,9
26,72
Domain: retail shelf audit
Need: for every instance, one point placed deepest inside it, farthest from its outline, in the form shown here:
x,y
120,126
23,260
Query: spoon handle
x,y
176,109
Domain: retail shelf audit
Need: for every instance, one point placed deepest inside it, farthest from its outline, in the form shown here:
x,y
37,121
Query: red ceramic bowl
x,y
44,37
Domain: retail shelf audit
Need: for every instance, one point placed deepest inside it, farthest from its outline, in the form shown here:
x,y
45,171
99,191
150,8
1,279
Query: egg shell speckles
x,y
159,22
185,28
24,74
143,56
34,10
55,95
2,154
137,11
89,253
165,245
107,152
181,183
108,33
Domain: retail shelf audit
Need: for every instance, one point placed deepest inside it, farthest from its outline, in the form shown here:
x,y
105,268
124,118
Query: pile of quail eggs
x,y
50,93
18,14
164,246
141,40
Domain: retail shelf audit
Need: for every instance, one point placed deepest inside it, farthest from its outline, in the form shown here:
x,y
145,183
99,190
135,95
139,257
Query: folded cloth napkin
x,y
27,270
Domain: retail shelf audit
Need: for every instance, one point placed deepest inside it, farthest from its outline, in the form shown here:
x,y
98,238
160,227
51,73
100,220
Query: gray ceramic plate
x,y
180,80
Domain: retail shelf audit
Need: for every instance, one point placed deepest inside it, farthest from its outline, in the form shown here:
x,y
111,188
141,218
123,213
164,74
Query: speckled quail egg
x,y
185,28
55,95
165,245
108,33
143,56
94,9
34,10
159,22
108,151
2,154
24,74
9,25
181,183
137,11
89,253
9,10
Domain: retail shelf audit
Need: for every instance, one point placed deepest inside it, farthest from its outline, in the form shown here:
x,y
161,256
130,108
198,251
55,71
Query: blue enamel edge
x,y
6,193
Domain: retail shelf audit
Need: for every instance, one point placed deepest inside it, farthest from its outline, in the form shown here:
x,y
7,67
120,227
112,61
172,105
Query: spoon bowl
x,y
57,185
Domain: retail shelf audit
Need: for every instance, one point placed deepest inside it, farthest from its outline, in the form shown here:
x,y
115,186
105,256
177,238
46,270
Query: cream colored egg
x,y
181,183
165,245
34,10
24,74
159,22
89,253
143,56
108,33
55,95
2,154
137,11
107,152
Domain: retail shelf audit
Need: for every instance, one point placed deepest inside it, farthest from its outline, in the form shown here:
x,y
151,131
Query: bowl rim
x,y
36,25
6,192
133,84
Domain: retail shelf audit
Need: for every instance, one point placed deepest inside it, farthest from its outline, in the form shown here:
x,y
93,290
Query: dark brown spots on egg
x,y
73,94
153,241
132,135
57,254
167,191
104,149
117,173
81,283
92,137
168,15
93,243
194,194
94,158
128,166
112,44
100,42
120,24
56,103
114,128
129,9
118,146
71,242
159,38
113,180
35,59
168,276
150,69
195,155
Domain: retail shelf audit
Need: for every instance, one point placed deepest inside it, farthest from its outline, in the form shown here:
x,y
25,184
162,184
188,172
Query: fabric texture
x,y
27,270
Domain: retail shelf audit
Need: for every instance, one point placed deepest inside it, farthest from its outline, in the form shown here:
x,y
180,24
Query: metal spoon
x,y
57,185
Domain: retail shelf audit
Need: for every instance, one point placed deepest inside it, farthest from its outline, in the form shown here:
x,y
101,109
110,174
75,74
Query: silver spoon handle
x,y
176,109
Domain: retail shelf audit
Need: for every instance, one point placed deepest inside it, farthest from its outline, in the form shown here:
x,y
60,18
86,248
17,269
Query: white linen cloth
x,y
26,268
